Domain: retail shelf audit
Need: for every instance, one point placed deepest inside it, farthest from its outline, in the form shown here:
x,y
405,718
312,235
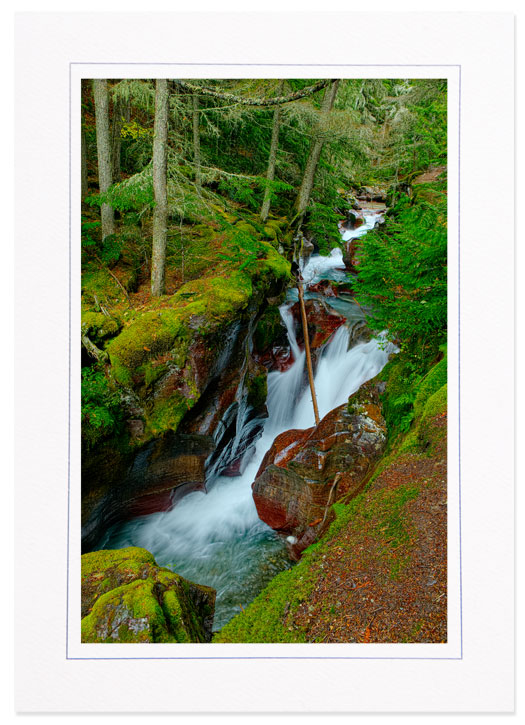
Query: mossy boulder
x,y
99,327
271,232
168,353
126,597
246,227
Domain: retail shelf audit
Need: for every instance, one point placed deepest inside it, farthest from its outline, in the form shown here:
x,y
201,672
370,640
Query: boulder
x,y
153,480
126,597
323,321
351,254
305,472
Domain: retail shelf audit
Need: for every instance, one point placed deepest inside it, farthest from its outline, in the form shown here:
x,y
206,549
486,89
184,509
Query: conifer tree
x,y
270,173
160,212
101,97
307,184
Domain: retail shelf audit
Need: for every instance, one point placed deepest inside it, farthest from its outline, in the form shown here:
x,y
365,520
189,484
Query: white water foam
x,y
371,219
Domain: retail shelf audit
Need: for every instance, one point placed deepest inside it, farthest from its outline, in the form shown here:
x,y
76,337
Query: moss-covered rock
x,y
126,597
167,353
269,329
257,390
99,327
246,227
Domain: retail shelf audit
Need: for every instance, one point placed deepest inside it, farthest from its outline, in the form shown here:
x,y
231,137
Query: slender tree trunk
x,y
307,350
100,92
83,163
307,184
196,141
270,173
160,166
116,126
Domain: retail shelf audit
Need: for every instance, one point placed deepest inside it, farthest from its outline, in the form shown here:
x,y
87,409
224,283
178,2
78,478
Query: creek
x,y
215,537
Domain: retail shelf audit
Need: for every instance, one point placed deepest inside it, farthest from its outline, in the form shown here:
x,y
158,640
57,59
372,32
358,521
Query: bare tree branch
x,y
232,98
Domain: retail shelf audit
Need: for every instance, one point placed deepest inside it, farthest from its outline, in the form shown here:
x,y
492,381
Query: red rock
x,y
283,448
324,287
322,322
304,472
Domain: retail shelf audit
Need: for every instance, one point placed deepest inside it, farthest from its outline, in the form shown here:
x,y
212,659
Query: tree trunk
x,y
100,92
93,350
307,351
116,126
270,173
160,166
83,163
196,141
307,184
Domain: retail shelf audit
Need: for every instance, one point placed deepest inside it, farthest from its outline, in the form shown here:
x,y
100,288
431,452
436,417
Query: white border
x,y
452,649
482,680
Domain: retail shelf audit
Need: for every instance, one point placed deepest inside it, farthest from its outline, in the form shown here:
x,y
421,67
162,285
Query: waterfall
x,y
216,538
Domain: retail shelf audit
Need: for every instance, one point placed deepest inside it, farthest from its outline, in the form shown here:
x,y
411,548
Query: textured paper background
x,y
482,680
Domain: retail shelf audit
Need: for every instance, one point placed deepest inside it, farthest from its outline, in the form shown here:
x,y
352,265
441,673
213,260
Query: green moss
x,y
156,342
99,327
265,618
97,281
270,232
157,331
433,381
268,328
246,227
257,390
174,615
274,263
168,413
130,613
154,333
129,599
428,432
132,557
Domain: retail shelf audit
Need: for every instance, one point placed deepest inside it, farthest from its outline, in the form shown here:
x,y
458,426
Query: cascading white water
x,y
371,219
216,538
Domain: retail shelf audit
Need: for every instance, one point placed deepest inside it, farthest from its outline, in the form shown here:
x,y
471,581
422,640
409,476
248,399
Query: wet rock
x,y
354,219
323,321
159,474
372,193
307,249
324,287
304,472
351,254
126,597
269,331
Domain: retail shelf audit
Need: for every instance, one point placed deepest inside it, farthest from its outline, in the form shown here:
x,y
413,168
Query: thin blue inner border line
x,y
291,65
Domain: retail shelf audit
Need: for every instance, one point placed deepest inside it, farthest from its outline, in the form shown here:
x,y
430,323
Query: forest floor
x,y
391,587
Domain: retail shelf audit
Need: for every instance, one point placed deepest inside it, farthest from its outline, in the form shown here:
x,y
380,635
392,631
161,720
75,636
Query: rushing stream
x,y
216,538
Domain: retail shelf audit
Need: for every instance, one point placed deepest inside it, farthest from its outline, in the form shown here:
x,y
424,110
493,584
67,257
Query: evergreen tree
x,y
160,212
105,176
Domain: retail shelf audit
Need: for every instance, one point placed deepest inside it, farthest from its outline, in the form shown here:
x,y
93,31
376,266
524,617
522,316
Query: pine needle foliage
x,y
402,279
